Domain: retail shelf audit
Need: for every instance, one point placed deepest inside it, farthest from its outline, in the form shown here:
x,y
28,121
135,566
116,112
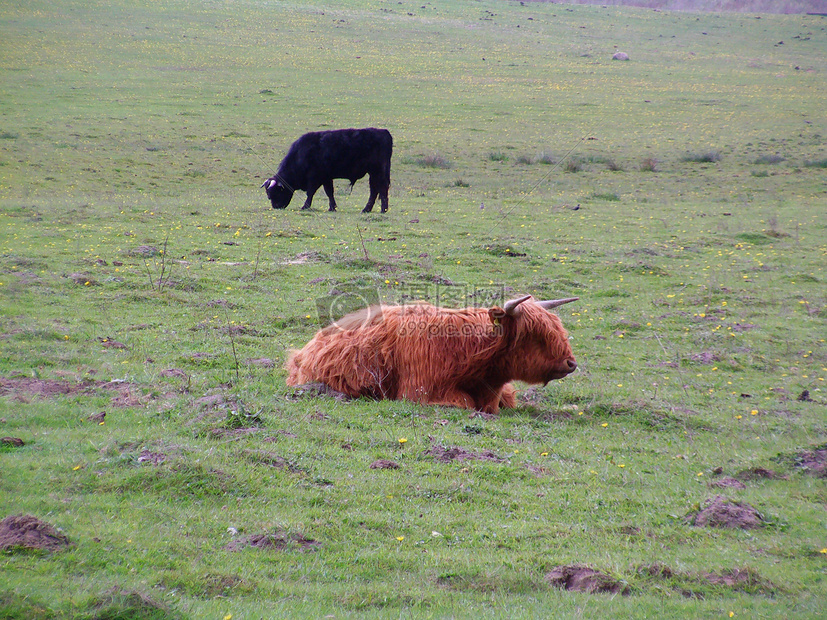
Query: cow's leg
x,y
328,189
311,189
449,398
383,194
374,192
508,396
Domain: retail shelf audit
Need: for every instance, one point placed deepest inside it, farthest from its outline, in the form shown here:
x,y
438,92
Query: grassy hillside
x,y
739,6
148,298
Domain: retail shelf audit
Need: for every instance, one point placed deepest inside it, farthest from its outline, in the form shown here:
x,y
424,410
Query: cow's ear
x,y
496,314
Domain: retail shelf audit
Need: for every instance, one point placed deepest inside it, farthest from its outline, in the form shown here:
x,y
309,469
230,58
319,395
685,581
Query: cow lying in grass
x,y
461,358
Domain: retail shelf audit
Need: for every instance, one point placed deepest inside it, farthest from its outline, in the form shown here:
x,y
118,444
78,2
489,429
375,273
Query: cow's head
x,y
539,345
278,193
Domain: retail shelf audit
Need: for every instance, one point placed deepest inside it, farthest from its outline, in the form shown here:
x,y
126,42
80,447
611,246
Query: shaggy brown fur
x,y
462,358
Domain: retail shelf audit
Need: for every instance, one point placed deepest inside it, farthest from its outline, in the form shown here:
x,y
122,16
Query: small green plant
x,y
573,164
460,182
497,156
648,164
768,160
607,196
525,160
434,160
816,163
707,157
545,158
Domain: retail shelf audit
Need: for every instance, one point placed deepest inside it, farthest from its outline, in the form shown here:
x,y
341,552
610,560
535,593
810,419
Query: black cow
x,y
318,157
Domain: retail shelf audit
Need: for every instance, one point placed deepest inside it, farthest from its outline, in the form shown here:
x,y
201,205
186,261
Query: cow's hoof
x,y
332,209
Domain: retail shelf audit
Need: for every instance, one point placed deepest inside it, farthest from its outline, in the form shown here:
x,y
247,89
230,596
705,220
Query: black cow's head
x,y
279,194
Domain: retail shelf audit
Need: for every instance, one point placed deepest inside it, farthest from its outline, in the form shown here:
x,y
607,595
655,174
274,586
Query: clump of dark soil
x,y
117,603
758,473
262,362
174,372
744,579
728,483
696,585
447,455
813,461
384,464
275,542
705,357
722,512
30,533
580,578
153,458
14,442
270,459
23,389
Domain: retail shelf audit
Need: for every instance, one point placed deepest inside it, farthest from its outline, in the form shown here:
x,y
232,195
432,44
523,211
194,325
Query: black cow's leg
x,y
310,192
328,189
374,192
383,196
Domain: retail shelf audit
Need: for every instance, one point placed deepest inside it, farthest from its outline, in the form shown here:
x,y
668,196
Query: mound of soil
x,y
728,483
117,603
15,442
28,532
24,388
722,512
739,579
813,461
585,579
691,584
447,455
758,473
384,464
276,542
154,458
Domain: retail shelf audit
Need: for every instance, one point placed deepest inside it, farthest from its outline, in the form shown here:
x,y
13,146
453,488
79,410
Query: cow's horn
x,y
511,305
553,303
265,183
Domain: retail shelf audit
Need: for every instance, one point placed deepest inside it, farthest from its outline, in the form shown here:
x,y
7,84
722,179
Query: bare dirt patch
x,y
578,578
262,362
384,464
697,585
704,357
23,389
722,512
14,442
174,372
813,461
153,458
28,532
276,542
759,473
455,453
728,483
270,459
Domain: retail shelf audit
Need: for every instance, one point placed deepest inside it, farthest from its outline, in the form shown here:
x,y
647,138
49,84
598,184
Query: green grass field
x,y
679,194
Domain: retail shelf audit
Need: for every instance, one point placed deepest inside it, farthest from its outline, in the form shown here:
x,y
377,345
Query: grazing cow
x,y
318,157
461,358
